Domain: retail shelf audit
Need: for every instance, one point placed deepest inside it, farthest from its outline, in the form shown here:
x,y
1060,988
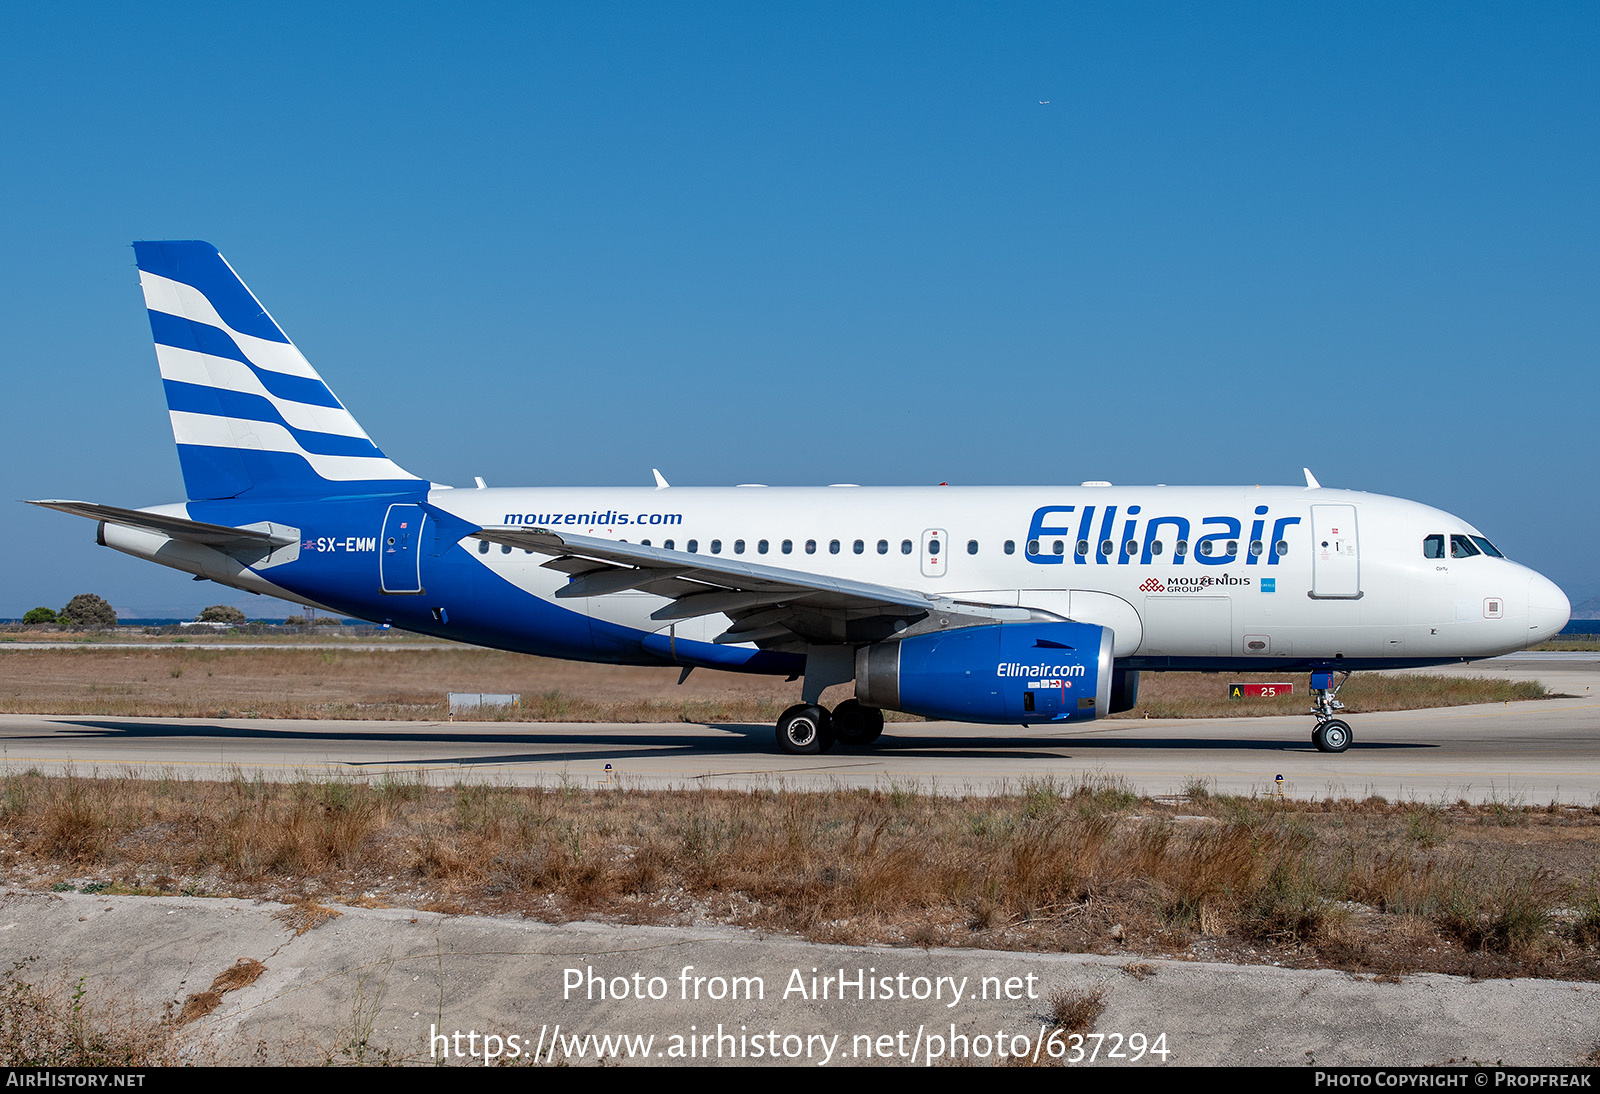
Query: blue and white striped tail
x,y
250,415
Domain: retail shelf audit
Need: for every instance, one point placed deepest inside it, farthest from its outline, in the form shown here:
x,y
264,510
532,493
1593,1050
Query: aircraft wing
x,y
774,608
194,531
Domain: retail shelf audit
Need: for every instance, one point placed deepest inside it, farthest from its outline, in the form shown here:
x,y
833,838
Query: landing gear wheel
x,y
805,730
1331,736
856,725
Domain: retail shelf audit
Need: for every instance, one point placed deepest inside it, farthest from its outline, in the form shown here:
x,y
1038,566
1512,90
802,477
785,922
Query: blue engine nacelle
x,y
1018,673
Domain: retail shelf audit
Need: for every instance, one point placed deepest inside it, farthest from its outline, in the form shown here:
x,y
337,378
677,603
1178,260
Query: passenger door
x,y
399,554
1335,553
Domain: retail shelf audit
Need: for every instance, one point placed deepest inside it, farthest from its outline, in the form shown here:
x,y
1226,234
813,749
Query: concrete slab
x,y
373,985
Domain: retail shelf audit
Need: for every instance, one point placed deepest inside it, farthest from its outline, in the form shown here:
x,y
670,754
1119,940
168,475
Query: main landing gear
x,y
1331,734
807,729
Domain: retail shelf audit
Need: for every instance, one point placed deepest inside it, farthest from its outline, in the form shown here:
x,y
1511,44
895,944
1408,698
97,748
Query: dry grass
x,y
1572,643
243,973
1197,695
411,682
63,1023
1077,1011
305,916
1485,891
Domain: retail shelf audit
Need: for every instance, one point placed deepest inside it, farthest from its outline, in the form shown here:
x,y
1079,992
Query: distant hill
x,y
1589,609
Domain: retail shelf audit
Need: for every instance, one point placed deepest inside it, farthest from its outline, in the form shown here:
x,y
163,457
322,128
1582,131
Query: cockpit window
x,y
1433,546
1488,548
1463,547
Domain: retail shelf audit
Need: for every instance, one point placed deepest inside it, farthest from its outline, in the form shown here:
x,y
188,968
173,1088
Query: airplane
x,y
1033,606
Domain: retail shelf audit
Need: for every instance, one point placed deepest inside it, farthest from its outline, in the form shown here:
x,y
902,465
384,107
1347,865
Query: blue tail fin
x,y
251,416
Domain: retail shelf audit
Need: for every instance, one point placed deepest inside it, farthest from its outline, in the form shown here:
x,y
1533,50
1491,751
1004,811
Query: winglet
x,y
1311,480
661,482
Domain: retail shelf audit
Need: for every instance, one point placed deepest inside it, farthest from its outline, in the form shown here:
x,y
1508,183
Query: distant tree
x,y
88,610
294,621
39,615
220,613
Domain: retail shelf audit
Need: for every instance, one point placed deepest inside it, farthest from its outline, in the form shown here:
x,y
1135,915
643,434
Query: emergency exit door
x,y
935,546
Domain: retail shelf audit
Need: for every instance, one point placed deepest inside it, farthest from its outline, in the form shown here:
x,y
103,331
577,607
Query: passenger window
x,y
788,547
1462,547
1233,548
1083,548
933,547
1256,547
1106,547
505,548
833,546
883,546
1011,546
1130,548
716,546
644,543
1033,547
667,544
1181,548
738,546
1155,547
483,546
811,546
694,546
972,546
1058,547
1205,547
1433,546
1283,547
761,547
858,546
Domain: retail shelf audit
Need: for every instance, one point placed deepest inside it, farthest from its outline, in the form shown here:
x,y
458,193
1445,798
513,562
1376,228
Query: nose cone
x,y
1548,609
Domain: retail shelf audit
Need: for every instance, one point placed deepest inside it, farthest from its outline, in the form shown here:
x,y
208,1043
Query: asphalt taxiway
x,y
1528,753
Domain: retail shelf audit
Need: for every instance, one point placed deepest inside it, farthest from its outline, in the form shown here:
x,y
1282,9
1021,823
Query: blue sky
x,y
562,244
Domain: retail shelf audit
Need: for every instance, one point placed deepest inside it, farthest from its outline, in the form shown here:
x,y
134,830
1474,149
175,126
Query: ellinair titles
x,y
909,595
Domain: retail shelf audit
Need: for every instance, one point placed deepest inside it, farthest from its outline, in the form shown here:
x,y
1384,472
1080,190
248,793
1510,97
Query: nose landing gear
x,y
1331,734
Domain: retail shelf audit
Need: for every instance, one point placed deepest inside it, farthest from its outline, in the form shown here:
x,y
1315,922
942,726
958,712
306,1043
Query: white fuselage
x,y
1296,584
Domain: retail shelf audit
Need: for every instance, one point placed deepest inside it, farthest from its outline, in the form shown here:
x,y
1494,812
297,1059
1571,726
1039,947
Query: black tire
x,y
805,730
1332,736
855,725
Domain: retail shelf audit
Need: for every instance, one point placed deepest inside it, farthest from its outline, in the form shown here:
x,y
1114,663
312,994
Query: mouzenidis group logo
x,y
1197,584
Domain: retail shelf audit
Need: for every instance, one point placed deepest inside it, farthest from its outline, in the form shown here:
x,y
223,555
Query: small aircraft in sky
x,y
1010,605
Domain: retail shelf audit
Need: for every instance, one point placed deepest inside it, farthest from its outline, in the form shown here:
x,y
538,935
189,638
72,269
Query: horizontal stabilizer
x,y
192,531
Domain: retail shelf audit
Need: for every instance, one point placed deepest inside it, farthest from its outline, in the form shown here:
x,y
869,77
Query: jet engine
x,y
1019,673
